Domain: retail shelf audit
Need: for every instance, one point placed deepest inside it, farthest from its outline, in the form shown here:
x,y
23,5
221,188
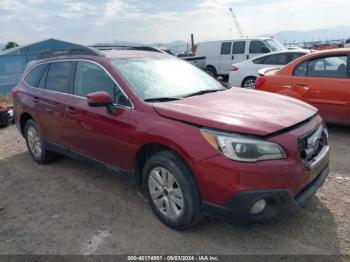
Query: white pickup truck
x,y
198,61
347,43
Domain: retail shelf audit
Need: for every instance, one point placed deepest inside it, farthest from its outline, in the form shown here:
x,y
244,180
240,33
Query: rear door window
x,y
270,60
32,78
277,59
238,47
329,67
226,48
260,60
59,76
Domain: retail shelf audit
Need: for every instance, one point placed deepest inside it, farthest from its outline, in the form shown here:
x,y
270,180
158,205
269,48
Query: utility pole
x,y
192,43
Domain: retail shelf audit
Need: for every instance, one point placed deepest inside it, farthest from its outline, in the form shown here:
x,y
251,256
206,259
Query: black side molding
x,y
129,174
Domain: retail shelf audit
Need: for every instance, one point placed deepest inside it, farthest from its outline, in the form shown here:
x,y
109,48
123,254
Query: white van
x,y
220,55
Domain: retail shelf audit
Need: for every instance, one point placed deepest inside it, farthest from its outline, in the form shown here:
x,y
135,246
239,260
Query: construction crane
x,y
239,29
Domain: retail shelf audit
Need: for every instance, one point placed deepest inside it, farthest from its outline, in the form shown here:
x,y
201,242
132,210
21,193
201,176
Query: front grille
x,y
311,144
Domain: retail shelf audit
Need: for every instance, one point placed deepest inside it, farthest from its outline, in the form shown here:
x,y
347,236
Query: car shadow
x,y
340,140
310,230
52,209
339,129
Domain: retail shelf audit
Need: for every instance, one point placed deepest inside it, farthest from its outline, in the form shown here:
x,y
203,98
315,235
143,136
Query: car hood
x,y
238,110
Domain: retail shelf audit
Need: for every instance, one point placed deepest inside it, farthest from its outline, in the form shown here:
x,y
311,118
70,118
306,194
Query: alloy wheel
x,y
250,84
34,142
166,192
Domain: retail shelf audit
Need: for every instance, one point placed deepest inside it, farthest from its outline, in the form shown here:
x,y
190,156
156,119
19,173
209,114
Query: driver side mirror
x,y
101,99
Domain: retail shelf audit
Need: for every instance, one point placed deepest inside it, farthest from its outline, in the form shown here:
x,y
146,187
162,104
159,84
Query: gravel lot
x,y
69,207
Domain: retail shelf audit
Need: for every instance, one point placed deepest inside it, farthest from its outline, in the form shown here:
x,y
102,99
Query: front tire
x,y
35,144
171,190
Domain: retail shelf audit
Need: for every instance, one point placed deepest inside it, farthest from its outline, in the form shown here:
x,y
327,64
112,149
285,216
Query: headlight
x,y
243,148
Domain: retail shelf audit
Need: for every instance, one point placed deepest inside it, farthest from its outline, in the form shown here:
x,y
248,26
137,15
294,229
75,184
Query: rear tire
x,y
249,82
2,125
212,71
172,191
35,144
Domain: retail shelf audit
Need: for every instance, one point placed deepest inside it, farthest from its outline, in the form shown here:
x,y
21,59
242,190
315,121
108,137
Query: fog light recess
x,y
258,207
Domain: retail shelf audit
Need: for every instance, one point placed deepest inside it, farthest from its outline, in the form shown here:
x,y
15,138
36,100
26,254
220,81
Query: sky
x,y
161,21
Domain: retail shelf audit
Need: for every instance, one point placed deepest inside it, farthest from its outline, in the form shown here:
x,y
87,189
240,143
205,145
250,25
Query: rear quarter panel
x,y
279,81
23,103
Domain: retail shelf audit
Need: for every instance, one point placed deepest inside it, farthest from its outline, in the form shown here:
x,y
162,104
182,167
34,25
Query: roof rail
x,y
83,50
127,47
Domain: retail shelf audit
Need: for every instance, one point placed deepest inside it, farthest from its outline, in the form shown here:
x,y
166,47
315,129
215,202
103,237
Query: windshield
x,y
275,45
163,77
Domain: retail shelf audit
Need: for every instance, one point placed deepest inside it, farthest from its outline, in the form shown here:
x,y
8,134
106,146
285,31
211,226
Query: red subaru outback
x,y
197,147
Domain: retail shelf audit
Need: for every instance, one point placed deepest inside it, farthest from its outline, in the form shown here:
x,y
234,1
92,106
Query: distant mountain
x,y
175,46
332,33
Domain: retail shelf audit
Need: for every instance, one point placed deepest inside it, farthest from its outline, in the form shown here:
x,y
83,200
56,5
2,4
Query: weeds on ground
x,y
5,100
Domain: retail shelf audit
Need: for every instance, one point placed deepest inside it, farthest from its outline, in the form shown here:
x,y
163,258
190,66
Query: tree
x,y
10,44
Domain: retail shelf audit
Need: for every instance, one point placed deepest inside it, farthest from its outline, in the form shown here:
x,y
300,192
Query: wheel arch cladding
x,y
24,118
149,149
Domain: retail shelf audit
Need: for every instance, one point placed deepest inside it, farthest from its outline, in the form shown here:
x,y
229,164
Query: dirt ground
x,y
69,207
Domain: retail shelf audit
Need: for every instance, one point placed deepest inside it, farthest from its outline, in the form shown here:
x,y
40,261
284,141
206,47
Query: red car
x,y
6,114
321,79
197,147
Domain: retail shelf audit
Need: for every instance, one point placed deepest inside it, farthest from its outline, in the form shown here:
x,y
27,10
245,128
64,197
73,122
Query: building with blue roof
x,y
13,61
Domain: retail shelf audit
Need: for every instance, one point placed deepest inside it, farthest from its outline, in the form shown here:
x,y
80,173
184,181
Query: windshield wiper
x,y
162,99
204,92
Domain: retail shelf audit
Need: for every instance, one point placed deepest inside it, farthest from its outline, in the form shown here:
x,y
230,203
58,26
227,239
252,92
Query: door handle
x,y
301,84
35,100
